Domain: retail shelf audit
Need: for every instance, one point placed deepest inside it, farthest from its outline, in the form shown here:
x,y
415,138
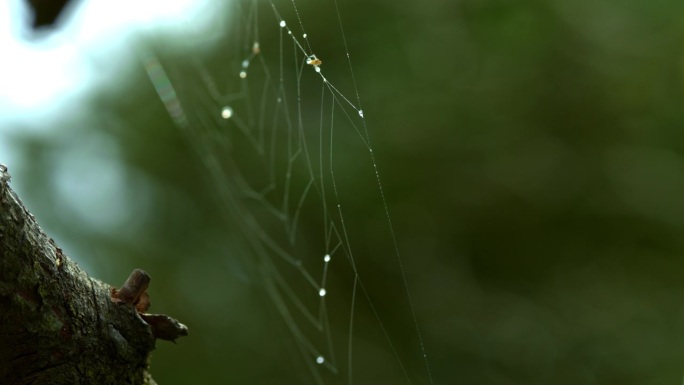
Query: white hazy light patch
x,y
46,76
46,79
44,73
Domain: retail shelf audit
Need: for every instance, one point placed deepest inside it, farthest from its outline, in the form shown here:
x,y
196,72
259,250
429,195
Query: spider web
x,y
280,142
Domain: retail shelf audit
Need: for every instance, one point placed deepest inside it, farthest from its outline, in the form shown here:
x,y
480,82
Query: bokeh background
x,y
532,161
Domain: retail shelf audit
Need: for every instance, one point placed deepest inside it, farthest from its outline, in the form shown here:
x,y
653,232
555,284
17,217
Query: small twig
x,y
134,292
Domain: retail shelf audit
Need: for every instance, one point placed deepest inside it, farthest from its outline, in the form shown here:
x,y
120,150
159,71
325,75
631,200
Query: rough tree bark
x,y
57,325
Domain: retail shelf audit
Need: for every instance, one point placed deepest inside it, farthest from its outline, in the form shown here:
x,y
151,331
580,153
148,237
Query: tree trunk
x,y
57,325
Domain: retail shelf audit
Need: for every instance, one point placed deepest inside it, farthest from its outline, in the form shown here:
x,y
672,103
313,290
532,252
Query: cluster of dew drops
x,y
227,111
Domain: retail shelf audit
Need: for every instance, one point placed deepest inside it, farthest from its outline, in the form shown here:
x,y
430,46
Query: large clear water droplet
x,y
226,112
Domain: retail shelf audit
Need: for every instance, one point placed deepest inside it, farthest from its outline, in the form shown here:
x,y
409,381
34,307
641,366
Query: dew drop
x,y
245,63
289,32
326,258
243,74
279,100
320,360
299,262
304,36
226,112
317,68
361,113
282,23
322,292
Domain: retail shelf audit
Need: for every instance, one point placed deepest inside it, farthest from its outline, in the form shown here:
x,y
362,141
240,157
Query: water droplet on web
x,y
317,68
320,360
282,23
322,292
299,262
279,100
245,63
304,36
226,112
326,258
361,113
289,32
243,74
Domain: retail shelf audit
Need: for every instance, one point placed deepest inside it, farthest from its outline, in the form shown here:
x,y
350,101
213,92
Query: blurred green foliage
x,y
531,156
